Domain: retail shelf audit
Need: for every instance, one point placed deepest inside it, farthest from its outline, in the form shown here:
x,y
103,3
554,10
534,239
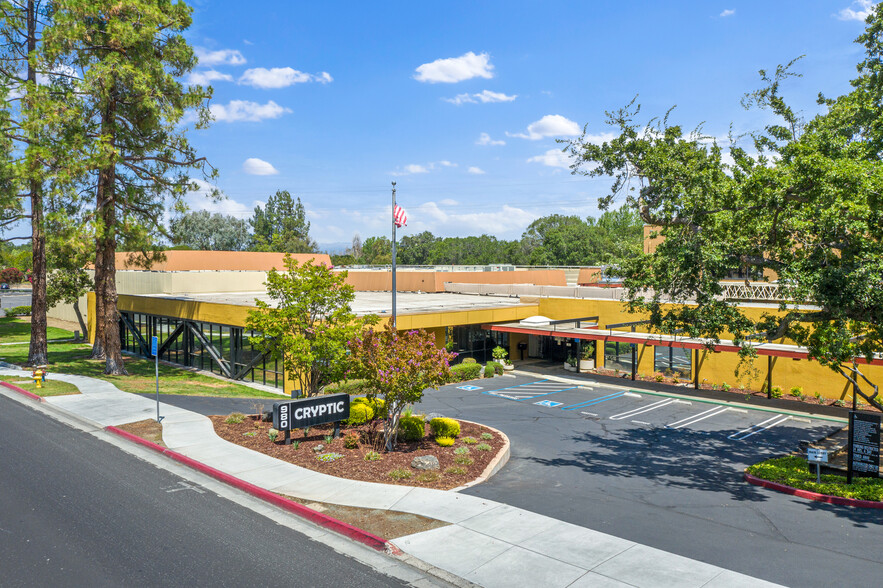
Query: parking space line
x,y
588,403
716,410
758,428
589,413
642,409
641,422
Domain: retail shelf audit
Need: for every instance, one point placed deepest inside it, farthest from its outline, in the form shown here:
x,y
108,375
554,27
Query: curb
x,y
350,531
15,388
495,465
809,495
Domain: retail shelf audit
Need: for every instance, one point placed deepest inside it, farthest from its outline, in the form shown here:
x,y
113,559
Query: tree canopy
x,y
802,199
206,231
282,225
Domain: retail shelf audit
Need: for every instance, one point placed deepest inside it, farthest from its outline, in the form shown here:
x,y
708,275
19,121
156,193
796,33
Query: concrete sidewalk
x,y
487,543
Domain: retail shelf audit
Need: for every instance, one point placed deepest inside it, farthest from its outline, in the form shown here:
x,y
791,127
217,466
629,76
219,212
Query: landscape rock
x,y
319,448
425,462
434,415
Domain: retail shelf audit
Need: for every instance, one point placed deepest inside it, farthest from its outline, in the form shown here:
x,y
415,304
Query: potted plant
x,y
570,364
587,359
499,354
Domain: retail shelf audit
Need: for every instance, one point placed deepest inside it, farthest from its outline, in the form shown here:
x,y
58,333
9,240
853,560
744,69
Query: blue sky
x,y
460,103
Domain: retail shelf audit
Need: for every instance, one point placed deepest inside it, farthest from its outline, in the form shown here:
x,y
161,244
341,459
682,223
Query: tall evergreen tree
x,y
281,225
131,55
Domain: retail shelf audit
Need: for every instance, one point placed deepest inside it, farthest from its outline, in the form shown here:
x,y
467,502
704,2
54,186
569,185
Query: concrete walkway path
x,y
486,543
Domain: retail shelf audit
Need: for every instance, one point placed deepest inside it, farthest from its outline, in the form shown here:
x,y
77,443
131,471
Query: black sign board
x,y
298,414
864,444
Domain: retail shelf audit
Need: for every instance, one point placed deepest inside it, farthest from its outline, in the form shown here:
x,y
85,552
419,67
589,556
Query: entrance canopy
x,y
587,331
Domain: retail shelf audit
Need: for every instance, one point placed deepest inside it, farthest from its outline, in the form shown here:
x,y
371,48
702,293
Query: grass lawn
x,y
72,358
15,330
795,472
50,387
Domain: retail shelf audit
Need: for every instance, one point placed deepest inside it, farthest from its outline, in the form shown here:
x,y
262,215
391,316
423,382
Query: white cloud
x,y
211,198
204,78
727,12
243,110
484,97
476,170
456,69
258,167
280,77
446,163
450,202
552,158
415,168
551,125
862,12
485,139
221,57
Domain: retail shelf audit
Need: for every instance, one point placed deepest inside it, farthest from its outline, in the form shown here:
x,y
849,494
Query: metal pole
x,y
769,376
393,255
156,365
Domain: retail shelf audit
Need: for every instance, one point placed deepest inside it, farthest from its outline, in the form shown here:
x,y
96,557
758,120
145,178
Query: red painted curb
x,y
15,388
838,500
320,519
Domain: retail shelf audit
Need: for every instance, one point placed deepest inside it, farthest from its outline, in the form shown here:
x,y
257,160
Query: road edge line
x,y
810,495
323,520
30,395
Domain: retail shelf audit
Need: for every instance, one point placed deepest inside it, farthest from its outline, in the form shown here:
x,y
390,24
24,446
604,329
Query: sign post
x,y
864,445
818,457
154,351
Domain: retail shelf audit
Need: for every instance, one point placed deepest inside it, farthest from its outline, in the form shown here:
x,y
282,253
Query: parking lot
x,y
666,471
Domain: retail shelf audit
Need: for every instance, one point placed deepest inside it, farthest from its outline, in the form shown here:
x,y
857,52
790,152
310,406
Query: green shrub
x,y
455,470
273,434
659,378
487,436
499,353
483,447
351,441
399,474
469,440
777,392
461,451
445,441
468,360
725,387
796,391
295,444
360,413
18,311
496,367
329,439
488,371
444,427
234,418
329,457
411,428
250,434
427,477
373,456
463,460
379,406
465,371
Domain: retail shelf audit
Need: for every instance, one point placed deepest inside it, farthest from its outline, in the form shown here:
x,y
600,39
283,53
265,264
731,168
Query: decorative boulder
x,y
319,448
425,462
434,415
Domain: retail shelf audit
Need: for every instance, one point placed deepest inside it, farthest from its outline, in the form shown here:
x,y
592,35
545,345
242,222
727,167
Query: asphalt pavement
x,y
10,299
76,511
667,472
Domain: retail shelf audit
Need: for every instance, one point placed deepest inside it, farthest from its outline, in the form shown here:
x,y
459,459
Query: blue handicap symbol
x,y
549,403
469,388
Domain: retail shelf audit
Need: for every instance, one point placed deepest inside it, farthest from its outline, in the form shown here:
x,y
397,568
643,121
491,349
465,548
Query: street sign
x,y
154,345
817,455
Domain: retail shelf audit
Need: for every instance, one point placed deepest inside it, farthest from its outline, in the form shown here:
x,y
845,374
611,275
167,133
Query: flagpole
x,y
393,255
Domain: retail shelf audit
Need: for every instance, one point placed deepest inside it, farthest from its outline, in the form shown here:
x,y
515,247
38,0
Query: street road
x,y
667,473
76,511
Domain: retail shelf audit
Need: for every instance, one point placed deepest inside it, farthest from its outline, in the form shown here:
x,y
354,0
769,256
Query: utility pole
x,y
393,255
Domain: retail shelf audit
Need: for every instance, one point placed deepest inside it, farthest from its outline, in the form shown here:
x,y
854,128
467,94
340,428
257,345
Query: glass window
x,y
672,360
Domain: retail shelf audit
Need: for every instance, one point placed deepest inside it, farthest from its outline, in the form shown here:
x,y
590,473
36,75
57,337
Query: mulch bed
x,y
252,433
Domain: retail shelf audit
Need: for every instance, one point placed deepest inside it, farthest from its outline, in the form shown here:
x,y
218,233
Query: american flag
x,y
399,216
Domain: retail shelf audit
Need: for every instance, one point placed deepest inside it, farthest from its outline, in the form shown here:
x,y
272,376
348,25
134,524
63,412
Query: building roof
x,y
178,261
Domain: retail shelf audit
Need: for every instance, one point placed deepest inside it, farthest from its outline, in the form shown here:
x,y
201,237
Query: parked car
x,y
4,286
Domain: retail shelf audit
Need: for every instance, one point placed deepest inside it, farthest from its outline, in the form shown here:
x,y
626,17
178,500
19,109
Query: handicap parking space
x,y
620,409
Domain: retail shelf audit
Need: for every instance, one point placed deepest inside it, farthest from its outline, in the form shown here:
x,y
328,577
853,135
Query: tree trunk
x,y
98,345
110,316
37,350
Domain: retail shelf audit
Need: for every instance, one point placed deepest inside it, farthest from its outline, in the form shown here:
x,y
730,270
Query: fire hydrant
x,y
39,377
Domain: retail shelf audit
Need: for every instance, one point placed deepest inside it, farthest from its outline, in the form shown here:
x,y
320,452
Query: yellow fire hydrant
x,y
39,377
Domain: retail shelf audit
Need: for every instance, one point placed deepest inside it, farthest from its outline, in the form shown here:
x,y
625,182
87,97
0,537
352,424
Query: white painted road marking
x,y
643,409
759,428
716,410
